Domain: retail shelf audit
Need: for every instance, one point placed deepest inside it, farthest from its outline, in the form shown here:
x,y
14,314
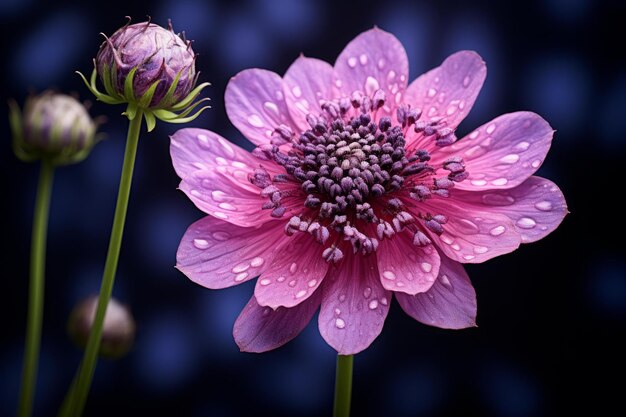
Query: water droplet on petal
x,y
220,215
352,62
544,205
342,298
271,107
265,281
466,81
526,223
536,163
510,158
522,146
339,323
221,236
293,268
281,279
497,231
455,246
381,63
255,120
241,277
480,249
200,243
203,139
391,75
279,95
256,262
432,92
498,200
312,283
426,267
468,227
337,312
300,293
491,128
383,301
445,281
371,85
240,268
363,59
500,181
373,305
296,91
218,195
227,206
468,257
479,183
367,292
292,283
389,275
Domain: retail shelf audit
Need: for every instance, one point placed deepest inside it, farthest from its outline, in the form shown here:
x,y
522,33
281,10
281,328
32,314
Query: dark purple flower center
x,y
355,174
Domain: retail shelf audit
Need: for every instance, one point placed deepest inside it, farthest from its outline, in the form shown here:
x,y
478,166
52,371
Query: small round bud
x,y
118,332
52,126
147,57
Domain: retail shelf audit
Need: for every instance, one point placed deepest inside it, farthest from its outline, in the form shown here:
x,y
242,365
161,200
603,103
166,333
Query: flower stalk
x,y
36,289
343,385
78,395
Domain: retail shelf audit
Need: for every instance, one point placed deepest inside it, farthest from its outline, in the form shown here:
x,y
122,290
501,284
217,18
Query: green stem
x,y
343,385
36,289
78,396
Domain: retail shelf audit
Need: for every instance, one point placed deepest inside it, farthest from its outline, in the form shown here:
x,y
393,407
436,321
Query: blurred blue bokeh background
x,y
551,314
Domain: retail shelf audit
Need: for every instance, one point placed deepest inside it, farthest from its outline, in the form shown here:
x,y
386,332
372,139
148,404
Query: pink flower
x,y
357,191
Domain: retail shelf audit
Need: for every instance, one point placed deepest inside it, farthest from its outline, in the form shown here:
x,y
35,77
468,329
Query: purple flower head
x,y
359,192
152,70
52,126
119,327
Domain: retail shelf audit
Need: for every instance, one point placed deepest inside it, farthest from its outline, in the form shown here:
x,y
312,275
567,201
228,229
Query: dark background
x,y
550,314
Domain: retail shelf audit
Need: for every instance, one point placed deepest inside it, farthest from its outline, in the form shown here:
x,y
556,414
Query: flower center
x,y
355,174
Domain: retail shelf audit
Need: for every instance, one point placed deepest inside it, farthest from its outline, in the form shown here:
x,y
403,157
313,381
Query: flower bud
x,y
118,331
152,57
52,126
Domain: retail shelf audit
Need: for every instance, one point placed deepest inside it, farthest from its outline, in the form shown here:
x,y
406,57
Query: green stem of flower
x,y
343,386
36,289
78,396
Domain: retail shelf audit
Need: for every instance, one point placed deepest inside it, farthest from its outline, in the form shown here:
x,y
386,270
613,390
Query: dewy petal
x,y
405,267
450,303
354,304
198,149
471,235
259,329
374,60
255,104
307,81
536,207
296,272
216,254
225,197
502,153
450,90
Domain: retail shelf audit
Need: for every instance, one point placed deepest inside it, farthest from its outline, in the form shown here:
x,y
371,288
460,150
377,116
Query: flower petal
x,y
226,197
502,153
450,90
449,304
374,60
197,149
354,304
471,235
256,105
307,81
536,207
217,254
259,329
296,272
407,268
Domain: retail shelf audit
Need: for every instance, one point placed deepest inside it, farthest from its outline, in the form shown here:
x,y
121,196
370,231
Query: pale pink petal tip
x,y
449,304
